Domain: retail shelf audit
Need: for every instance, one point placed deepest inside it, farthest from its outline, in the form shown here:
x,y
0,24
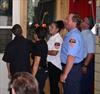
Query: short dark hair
x,y
41,32
24,83
59,24
76,18
16,30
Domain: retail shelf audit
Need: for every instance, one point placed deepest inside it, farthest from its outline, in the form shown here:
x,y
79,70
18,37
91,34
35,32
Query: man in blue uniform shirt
x,y
72,54
88,64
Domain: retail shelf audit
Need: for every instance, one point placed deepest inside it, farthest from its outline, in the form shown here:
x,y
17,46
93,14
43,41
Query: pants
x,y
41,77
72,84
88,80
54,75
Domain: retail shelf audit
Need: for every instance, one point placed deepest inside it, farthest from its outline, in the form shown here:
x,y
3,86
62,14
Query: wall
x,y
23,16
97,67
62,9
97,55
3,77
83,7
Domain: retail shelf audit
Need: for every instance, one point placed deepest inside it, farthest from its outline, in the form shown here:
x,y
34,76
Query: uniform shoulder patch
x,y
57,45
72,42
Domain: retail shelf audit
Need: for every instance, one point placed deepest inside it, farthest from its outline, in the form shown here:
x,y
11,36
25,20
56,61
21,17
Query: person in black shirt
x,y
17,53
40,57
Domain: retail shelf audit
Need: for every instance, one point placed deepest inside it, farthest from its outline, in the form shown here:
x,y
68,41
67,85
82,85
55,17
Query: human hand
x,y
63,78
84,70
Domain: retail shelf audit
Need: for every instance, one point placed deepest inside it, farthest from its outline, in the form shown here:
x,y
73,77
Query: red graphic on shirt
x,y
57,45
72,42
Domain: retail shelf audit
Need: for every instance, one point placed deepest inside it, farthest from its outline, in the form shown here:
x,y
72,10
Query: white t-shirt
x,y
54,43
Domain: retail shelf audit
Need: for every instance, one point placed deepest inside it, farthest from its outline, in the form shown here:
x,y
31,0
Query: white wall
x,y
97,66
3,77
16,12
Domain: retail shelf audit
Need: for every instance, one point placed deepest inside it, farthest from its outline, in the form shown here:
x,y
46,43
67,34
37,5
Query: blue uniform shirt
x,y
89,41
73,45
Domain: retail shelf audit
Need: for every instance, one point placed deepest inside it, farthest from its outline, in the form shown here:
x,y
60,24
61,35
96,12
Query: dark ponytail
x,y
59,24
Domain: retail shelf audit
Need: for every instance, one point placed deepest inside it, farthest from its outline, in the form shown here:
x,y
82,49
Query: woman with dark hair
x,y
54,62
40,57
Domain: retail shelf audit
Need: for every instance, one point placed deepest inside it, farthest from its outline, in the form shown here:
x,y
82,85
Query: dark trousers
x,y
41,77
88,80
72,84
54,75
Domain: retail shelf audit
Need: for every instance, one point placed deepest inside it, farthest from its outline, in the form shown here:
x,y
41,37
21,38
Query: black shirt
x,y
41,49
17,53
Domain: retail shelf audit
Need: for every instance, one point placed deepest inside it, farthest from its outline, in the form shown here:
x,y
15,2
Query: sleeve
x,y
73,45
57,44
91,44
6,56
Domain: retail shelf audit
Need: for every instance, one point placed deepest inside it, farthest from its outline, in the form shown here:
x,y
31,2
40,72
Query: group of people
x,y
69,60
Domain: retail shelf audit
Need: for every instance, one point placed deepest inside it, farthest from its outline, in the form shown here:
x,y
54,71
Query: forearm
x,y
52,52
36,65
69,65
88,59
35,69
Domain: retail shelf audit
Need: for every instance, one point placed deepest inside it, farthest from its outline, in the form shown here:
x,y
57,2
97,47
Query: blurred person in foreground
x,y
24,83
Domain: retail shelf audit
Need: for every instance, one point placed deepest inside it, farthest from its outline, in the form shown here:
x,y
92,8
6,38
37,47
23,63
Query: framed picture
x,y
6,12
9,15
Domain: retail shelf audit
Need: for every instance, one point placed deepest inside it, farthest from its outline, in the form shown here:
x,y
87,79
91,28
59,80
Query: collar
x,y
86,30
73,30
55,35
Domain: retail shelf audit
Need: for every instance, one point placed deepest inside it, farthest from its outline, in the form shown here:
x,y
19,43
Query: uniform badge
x,y
57,45
72,42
